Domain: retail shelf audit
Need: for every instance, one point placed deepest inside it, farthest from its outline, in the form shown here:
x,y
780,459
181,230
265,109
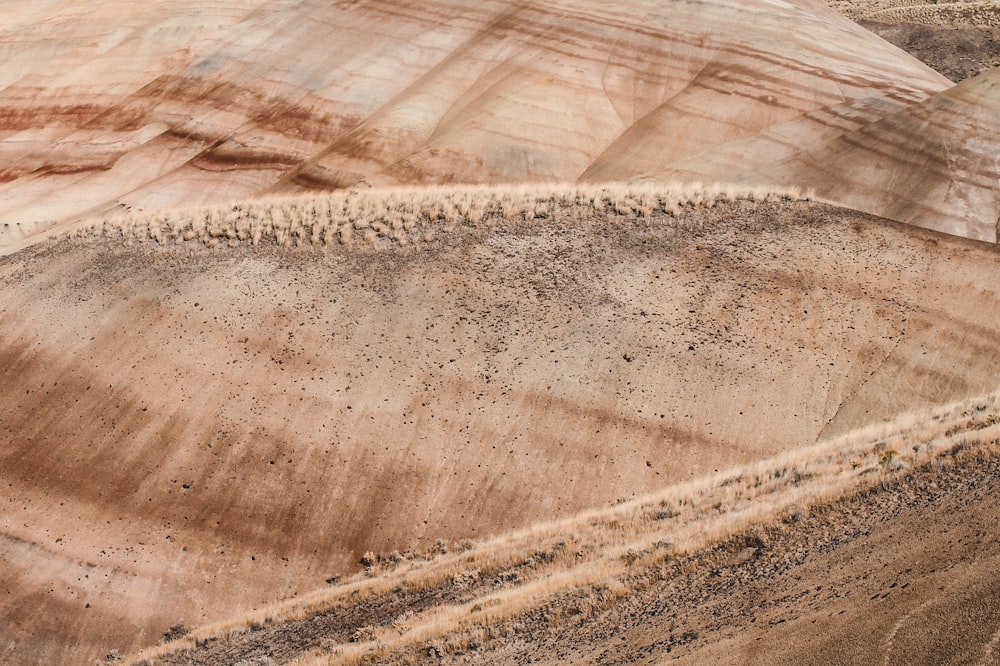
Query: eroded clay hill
x,y
935,164
940,159
191,432
113,105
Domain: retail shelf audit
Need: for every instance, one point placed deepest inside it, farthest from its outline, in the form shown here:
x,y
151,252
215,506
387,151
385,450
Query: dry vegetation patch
x,y
935,11
958,39
406,215
977,14
958,52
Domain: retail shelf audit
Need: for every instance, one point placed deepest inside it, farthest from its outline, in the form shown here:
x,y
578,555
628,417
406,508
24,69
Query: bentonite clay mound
x,y
933,164
191,432
939,158
169,104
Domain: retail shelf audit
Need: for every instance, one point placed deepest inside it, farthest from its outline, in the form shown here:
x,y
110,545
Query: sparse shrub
x,y
887,457
609,591
175,632
364,634
891,460
401,623
633,556
663,514
465,578
506,578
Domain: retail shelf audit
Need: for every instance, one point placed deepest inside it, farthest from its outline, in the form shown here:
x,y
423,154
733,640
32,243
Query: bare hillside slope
x,y
183,103
848,552
935,164
191,432
940,159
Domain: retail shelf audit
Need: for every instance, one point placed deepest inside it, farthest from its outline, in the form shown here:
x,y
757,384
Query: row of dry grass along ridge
x,y
598,553
402,215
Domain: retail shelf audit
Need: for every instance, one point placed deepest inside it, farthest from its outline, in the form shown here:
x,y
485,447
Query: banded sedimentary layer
x,y
185,103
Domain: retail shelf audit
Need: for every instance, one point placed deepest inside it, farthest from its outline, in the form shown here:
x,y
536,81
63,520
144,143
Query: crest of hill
x,y
192,432
405,215
183,103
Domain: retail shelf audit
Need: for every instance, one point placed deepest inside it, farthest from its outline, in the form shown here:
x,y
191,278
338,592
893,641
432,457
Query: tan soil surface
x,y
190,433
905,575
901,572
958,52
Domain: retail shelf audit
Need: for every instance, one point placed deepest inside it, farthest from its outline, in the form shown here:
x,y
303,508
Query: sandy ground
x,y
897,572
190,433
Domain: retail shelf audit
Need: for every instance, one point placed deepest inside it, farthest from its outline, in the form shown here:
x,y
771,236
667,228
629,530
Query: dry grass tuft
x,y
402,216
